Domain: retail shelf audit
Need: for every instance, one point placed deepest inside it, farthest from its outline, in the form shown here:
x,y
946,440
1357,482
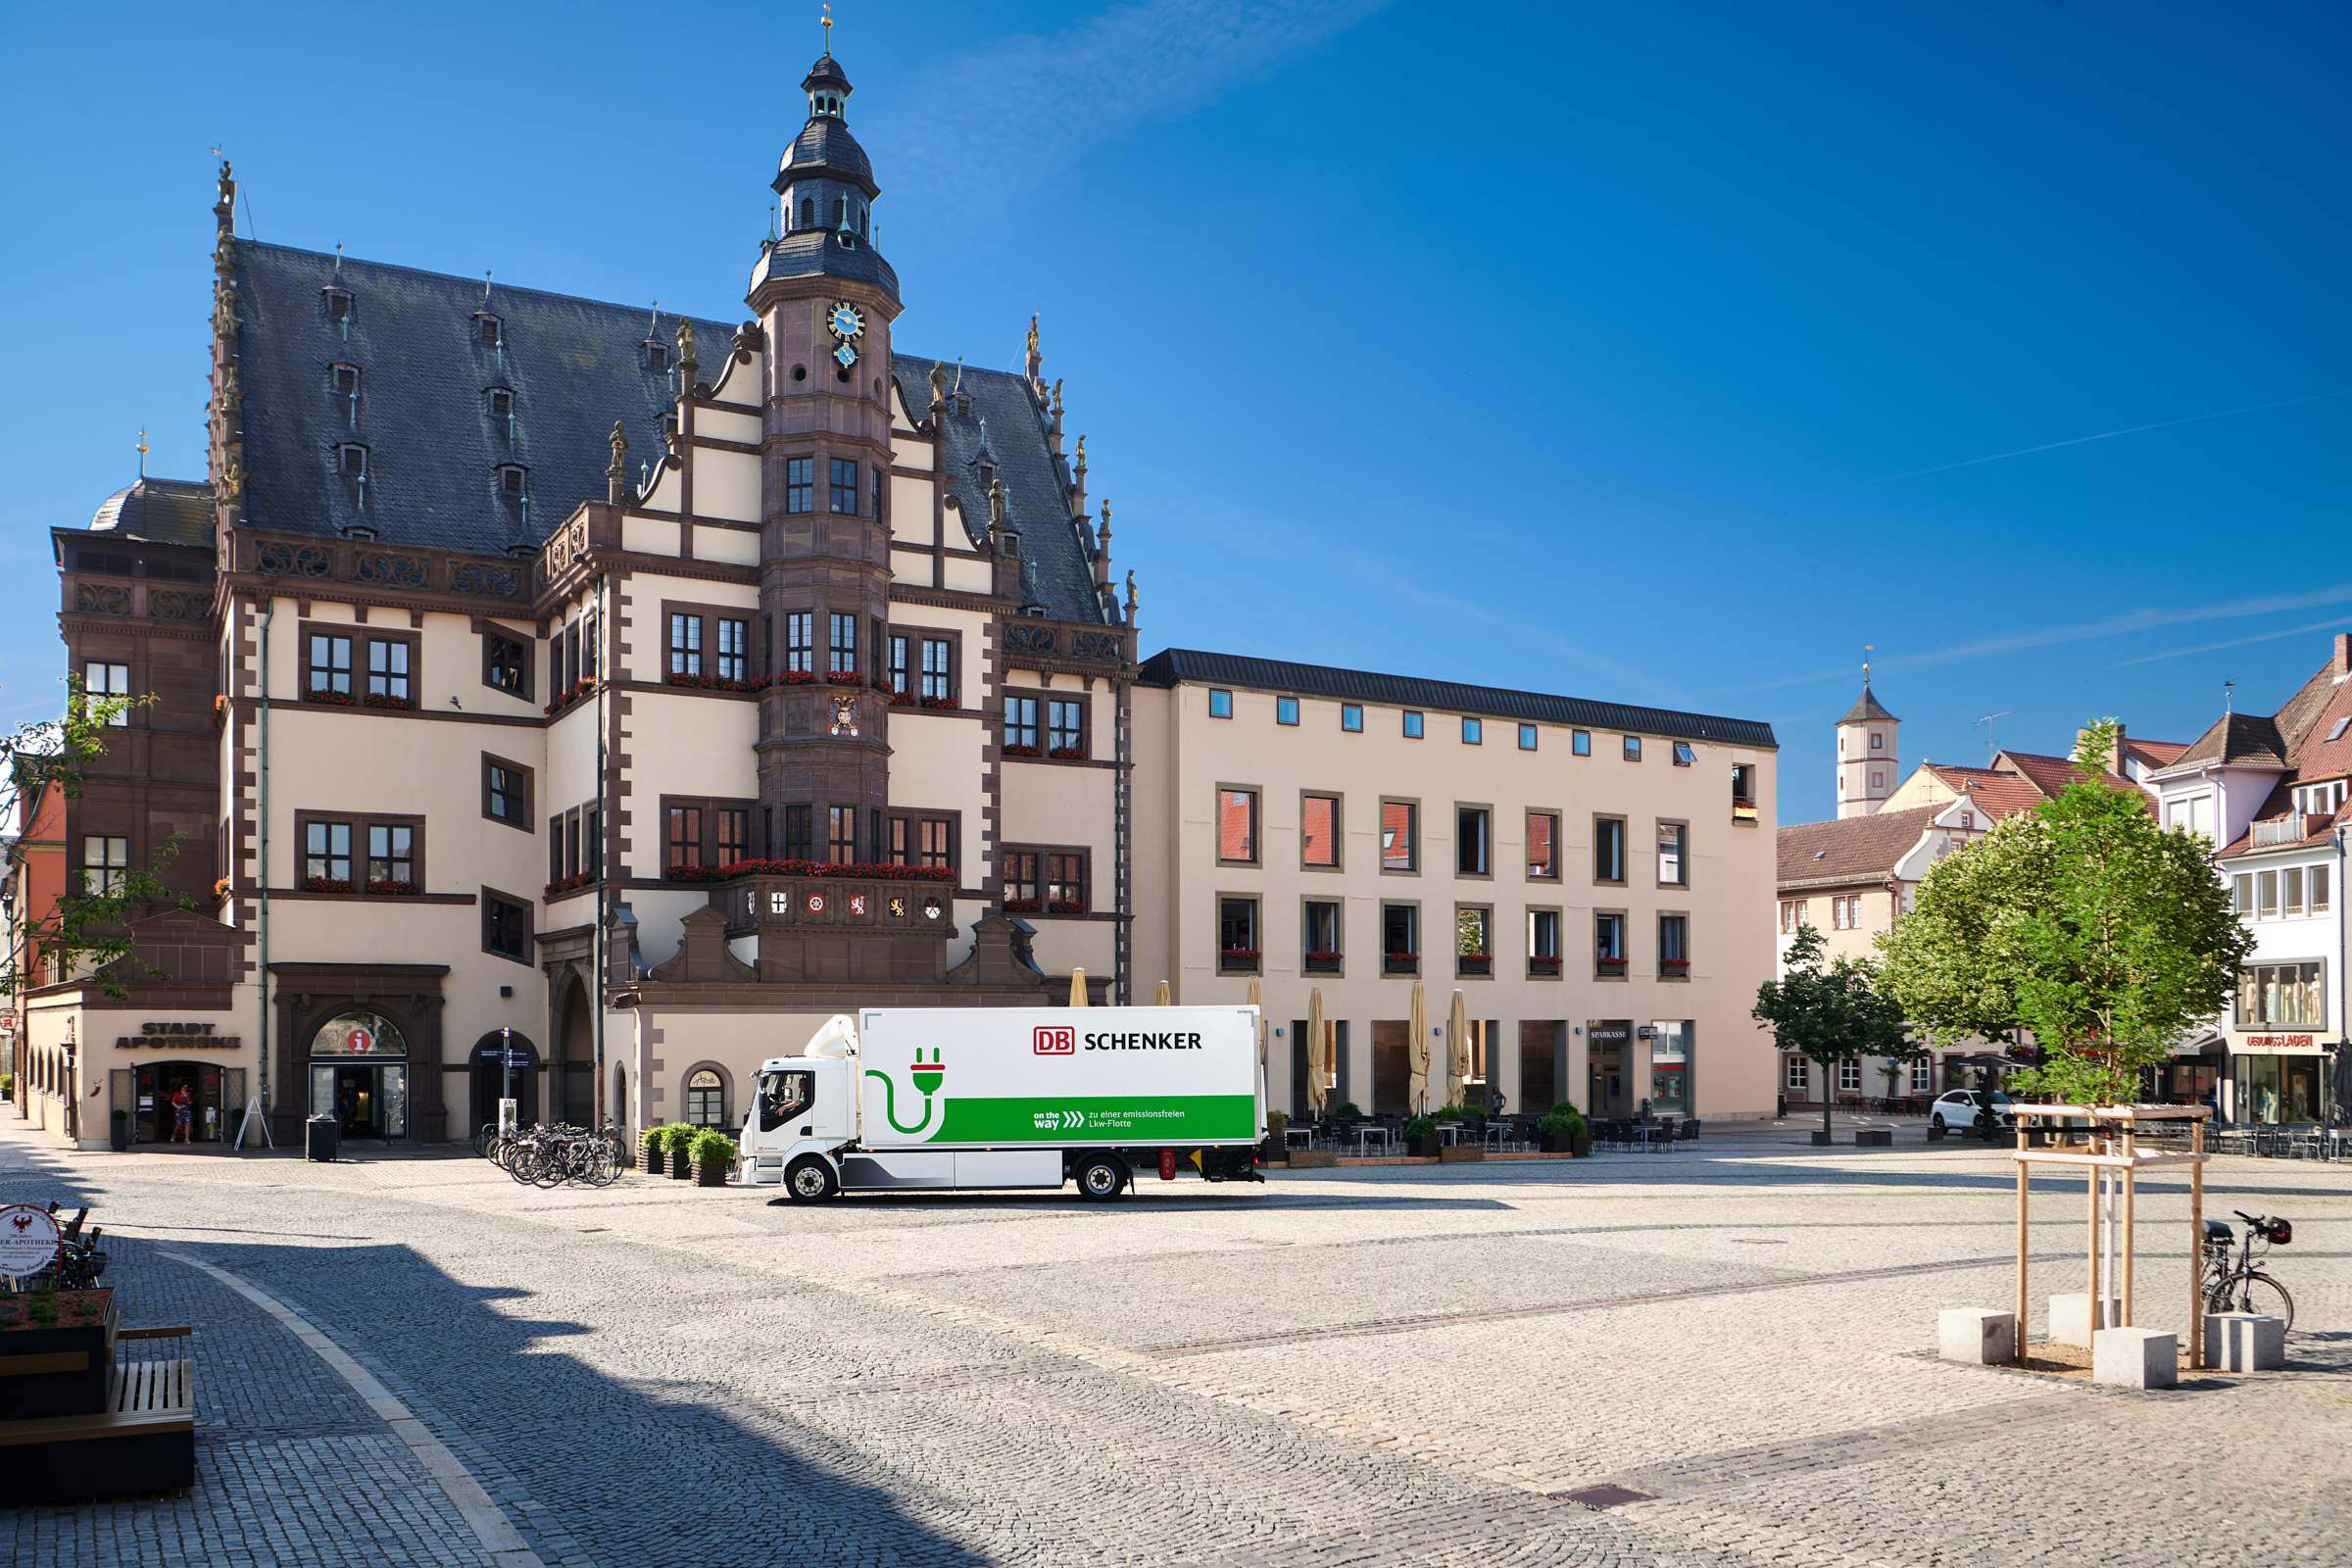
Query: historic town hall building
x,y
555,696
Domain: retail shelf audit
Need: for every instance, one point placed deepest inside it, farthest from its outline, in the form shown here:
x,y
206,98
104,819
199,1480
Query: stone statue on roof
x,y
939,385
1035,359
621,451
685,341
996,505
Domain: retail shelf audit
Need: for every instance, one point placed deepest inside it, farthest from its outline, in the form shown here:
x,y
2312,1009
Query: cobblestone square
x,y
417,1360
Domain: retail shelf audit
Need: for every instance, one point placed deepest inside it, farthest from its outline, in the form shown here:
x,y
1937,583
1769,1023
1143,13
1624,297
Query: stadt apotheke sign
x,y
178,1035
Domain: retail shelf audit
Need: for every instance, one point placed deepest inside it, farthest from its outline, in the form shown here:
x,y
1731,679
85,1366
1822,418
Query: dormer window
x,y
352,459
1013,544
347,380
963,406
988,476
510,478
490,328
656,357
669,426
502,403
807,212
338,304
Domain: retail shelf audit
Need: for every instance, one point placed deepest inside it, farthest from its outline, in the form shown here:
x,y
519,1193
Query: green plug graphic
x,y
926,1078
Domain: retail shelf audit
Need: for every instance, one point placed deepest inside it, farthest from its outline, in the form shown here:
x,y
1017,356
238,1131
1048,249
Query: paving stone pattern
x,y
1410,1365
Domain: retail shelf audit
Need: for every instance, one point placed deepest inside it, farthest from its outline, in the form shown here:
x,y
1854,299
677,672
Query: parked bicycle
x,y
2240,1285
550,1156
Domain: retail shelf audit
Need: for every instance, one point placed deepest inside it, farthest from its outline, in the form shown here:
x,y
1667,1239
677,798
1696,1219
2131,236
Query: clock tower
x,y
825,299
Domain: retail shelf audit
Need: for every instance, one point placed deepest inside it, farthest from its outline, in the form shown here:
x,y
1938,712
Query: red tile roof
x,y
1997,795
2155,754
1850,849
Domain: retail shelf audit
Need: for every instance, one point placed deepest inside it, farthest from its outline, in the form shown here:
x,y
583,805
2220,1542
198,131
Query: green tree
x,y
1830,1014
2082,921
86,931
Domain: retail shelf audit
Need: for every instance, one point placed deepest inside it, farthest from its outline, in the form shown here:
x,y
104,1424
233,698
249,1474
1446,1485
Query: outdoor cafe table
x,y
1364,1133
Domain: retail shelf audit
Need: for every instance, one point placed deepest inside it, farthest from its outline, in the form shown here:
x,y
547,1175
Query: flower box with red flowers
x,y
1609,966
385,700
1475,962
1675,966
579,690
883,683
1024,751
844,677
1400,963
391,887
221,887
1244,959
1023,907
941,704
1065,907
1323,963
902,700
570,884
329,696
712,683
794,677
220,712
326,884
1068,753
1543,965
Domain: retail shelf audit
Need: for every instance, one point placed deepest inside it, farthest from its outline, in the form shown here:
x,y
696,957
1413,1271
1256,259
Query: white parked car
x,y
1957,1111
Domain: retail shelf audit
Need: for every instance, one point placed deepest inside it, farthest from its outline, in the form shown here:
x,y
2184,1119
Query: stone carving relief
x,y
102,598
1095,645
394,572
1031,639
491,583
295,560
172,603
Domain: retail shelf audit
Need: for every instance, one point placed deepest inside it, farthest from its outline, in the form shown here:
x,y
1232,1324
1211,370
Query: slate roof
x,y
163,511
1173,665
1850,849
574,366
1867,707
1037,484
433,448
825,146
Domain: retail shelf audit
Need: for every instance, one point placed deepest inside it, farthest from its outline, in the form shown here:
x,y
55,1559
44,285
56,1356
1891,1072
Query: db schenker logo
x,y
1057,1042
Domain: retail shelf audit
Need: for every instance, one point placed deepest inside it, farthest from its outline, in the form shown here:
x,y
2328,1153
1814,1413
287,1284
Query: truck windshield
x,y
784,1095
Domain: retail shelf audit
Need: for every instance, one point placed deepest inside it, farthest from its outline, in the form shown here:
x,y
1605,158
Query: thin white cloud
x,y
2134,620
2106,435
2235,642
1015,113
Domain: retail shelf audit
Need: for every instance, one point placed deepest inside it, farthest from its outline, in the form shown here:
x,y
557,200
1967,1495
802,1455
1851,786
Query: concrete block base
x,y
2244,1341
1822,1140
1976,1336
2069,1319
2135,1358
1874,1138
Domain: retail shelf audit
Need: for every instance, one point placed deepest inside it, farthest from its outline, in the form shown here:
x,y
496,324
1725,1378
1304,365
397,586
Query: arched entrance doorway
x,y
359,1075
505,1064
571,1088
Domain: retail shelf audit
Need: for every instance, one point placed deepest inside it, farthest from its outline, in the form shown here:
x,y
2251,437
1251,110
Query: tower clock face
x,y
844,356
846,322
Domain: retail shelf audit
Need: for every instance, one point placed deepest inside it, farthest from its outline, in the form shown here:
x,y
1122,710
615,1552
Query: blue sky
x,y
1642,353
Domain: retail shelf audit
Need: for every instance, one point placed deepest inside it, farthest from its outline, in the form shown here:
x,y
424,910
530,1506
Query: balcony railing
x,y
2280,830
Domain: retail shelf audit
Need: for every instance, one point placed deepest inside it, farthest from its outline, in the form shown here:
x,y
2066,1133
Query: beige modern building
x,y
1586,874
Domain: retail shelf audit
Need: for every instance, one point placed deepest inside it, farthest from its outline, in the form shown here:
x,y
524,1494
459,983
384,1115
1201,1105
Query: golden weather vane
x,y
142,454
828,11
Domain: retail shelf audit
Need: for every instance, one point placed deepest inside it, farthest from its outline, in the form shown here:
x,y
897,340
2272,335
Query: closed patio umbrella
x,y
1315,1050
1161,1000
1457,1050
1416,1053
1077,988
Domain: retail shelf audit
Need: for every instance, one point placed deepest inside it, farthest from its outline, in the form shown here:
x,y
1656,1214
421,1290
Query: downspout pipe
x,y
595,948
261,971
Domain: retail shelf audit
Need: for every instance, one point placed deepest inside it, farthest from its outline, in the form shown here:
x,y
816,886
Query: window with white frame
x,y
1923,1076
1849,1077
1799,1072
1792,915
108,680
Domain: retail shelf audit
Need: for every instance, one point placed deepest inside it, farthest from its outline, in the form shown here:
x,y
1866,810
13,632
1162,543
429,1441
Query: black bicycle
x,y
2240,1285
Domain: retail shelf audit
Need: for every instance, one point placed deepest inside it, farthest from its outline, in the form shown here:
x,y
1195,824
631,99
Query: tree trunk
x,y
1829,1093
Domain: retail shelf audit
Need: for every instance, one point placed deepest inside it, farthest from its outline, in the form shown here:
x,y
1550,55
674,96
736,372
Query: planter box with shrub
x,y
678,1141
713,1156
1564,1132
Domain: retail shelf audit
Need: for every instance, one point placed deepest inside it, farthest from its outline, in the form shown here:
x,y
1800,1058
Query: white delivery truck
x,y
948,1098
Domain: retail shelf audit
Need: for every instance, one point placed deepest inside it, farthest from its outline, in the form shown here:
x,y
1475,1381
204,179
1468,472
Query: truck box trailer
x,y
957,1098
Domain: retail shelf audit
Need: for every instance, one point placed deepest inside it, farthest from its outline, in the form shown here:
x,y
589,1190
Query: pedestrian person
x,y
183,1111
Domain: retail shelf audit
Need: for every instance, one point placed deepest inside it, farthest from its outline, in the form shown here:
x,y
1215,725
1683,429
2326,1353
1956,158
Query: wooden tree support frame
x,y
2114,1146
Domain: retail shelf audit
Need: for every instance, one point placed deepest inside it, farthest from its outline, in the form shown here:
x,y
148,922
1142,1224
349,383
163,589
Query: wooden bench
x,y
143,1441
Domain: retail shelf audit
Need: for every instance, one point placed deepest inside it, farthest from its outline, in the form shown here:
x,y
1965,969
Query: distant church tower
x,y
1866,767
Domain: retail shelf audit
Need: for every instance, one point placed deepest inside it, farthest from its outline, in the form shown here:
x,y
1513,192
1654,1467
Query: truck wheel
x,y
1101,1178
811,1180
